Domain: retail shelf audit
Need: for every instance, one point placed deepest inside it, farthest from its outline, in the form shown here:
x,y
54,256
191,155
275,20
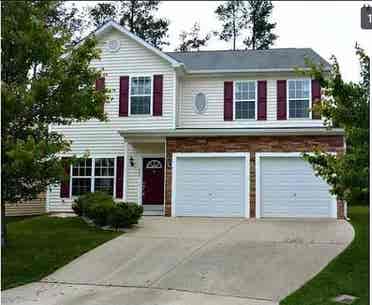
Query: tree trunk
x,y
234,27
3,225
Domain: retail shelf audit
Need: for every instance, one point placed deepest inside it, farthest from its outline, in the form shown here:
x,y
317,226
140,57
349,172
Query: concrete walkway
x,y
194,261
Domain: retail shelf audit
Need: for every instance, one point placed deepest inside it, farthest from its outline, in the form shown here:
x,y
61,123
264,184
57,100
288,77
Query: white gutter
x,y
199,132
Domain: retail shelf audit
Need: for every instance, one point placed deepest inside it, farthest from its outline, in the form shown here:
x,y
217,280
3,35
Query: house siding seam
x,y
251,145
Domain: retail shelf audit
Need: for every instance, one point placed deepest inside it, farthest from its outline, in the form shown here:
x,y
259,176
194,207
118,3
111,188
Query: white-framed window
x,y
93,175
140,95
299,97
245,99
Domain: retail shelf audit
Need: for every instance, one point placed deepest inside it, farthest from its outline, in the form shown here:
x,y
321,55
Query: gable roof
x,y
112,24
284,59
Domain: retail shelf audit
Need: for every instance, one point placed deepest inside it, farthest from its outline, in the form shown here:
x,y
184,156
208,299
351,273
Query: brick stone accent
x,y
340,209
252,145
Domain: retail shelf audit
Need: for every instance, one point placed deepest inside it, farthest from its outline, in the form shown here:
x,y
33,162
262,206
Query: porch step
x,y
153,210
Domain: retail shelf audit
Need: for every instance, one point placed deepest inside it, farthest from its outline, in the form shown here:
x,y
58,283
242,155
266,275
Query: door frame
x,y
245,155
259,155
145,156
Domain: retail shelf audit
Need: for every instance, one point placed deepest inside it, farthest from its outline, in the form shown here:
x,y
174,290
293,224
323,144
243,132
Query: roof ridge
x,y
249,50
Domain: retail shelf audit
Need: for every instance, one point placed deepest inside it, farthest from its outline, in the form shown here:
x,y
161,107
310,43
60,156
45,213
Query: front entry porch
x,y
145,174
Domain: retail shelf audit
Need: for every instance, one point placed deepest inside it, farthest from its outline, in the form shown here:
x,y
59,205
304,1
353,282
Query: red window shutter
x,y
262,90
281,113
315,94
123,95
119,177
157,95
65,183
100,85
228,100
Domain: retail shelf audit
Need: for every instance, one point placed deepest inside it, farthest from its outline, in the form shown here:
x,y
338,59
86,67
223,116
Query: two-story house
x,y
210,133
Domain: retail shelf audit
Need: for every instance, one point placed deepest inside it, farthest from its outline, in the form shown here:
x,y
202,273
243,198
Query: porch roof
x,y
201,132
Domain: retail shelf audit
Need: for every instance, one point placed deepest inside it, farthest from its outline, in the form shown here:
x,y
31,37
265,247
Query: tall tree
x,y
192,40
138,17
45,80
346,105
258,14
233,16
102,12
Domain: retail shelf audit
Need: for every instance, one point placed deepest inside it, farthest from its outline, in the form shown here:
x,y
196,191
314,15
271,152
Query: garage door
x,y
289,188
210,186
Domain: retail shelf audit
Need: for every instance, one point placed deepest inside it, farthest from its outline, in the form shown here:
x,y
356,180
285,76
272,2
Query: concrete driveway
x,y
179,261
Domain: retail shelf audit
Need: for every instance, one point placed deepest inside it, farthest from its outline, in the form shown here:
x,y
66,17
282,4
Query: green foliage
x,y
345,105
102,12
258,14
233,16
45,80
139,17
102,210
192,40
125,215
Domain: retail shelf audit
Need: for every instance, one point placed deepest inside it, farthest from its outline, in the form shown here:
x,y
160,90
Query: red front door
x,y
153,181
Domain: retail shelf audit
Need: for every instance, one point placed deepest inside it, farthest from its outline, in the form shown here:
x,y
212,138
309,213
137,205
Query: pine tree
x,y
138,17
232,14
258,14
192,40
102,12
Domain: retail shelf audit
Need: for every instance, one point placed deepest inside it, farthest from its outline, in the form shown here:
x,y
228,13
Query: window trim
x,y
310,98
234,99
151,95
92,176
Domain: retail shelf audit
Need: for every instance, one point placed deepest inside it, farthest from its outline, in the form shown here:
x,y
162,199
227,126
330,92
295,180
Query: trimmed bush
x,y
125,215
102,210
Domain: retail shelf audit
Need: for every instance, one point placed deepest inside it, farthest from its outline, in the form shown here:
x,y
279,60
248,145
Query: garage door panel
x,y
208,186
289,188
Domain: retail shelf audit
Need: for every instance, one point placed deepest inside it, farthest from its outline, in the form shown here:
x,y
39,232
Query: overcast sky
x,y
329,27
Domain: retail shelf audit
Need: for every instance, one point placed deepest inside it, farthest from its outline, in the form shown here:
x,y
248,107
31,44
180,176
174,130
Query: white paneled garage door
x,y
210,186
289,188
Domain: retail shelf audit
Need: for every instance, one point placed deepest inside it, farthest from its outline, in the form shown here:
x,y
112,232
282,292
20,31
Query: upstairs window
x,y
245,99
140,95
298,98
93,175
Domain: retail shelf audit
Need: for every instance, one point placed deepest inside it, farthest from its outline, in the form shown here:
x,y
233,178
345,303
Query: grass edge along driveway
x,y
348,273
37,246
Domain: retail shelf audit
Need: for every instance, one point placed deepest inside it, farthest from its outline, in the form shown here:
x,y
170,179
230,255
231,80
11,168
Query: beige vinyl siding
x,y
30,207
213,87
102,138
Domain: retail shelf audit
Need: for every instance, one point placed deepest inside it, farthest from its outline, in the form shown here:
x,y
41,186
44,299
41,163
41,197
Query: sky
x,y
329,27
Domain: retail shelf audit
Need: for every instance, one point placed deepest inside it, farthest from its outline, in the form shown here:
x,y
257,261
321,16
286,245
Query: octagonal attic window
x,y
200,103
113,45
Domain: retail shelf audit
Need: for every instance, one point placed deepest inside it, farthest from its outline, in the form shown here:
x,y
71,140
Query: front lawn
x,y
39,245
346,274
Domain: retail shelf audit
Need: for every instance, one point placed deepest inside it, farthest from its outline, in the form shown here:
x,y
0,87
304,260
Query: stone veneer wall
x,y
251,144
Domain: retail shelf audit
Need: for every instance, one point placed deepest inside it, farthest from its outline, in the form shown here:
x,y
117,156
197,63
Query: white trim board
x,y
175,156
260,155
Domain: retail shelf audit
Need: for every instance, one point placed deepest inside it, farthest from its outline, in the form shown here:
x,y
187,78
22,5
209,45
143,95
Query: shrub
x,y
125,215
102,210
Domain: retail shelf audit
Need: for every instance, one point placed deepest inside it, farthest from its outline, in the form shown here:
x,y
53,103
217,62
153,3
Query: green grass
x,y
348,273
39,245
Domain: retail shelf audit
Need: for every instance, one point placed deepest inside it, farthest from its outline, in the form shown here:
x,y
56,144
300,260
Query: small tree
x,y
102,12
258,14
138,17
45,80
346,105
192,40
233,16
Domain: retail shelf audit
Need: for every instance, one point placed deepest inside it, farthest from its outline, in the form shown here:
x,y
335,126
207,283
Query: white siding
x,y
213,87
102,138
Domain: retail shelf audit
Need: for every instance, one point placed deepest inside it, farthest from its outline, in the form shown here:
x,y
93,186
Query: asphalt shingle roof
x,y
272,59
